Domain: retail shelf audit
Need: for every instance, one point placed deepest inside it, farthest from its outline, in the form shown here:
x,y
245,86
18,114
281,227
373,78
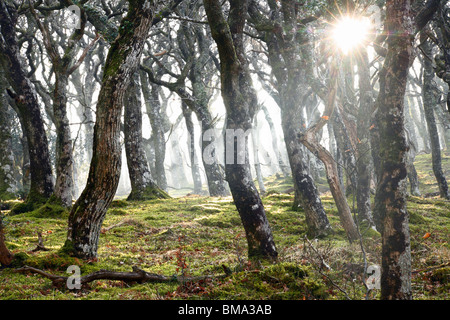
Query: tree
x,y
123,58
289,71
241,104
390,214
429,102
8,185
63,67
195,59
143,187
26,102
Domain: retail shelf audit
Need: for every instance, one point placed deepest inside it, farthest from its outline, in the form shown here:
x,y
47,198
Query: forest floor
x,y
195,236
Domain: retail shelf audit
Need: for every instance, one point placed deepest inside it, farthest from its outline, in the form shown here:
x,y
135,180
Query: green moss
x,y
33,201
67,249
20,259
119,204
416,218
53,261
207,232
149,193
280,281
5,196
441,275
117,212
22,208
50,211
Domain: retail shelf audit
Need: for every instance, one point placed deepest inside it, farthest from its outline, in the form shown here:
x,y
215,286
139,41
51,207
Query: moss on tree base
x,y
149,193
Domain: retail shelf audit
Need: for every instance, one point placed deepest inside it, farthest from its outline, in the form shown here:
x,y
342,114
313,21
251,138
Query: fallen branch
x,y
137,275
431,268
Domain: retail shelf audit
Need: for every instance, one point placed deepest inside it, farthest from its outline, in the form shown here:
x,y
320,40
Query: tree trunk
x,y
25,96
153,106
429,101
306,190
87,214
363,162
289,70
257,164
390,214
142,185
283,167
8,185
241,104
345,215
412,142
196,177
64,156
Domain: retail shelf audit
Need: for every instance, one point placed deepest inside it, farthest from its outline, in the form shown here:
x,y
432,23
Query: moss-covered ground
x,y
195,236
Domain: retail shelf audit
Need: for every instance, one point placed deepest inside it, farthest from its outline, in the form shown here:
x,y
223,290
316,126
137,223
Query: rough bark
x,y
89,211
390,214
64,157
241,104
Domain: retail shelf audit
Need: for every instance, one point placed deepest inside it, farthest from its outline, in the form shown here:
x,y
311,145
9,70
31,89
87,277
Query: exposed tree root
x,y
137,275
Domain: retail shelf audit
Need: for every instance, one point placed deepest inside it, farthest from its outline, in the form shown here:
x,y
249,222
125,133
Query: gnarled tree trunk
x,y
88,212
390,214
241,104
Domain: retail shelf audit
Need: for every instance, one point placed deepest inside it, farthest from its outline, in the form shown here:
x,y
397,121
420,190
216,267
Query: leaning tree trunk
x,y
306,190
241,104
429,101
88,213
390,214
310,139
143,187
25,97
